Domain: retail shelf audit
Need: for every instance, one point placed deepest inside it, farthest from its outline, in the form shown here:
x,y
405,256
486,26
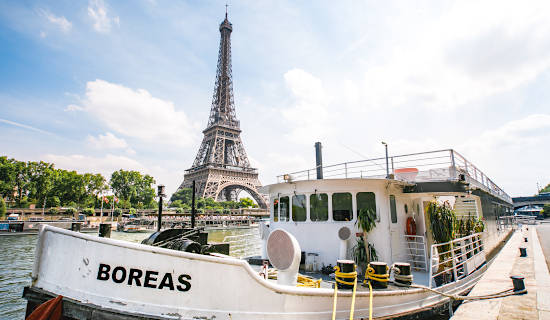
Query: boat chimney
x,y
319,160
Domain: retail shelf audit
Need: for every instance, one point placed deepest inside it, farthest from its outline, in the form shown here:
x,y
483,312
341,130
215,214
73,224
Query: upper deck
x,y
431,166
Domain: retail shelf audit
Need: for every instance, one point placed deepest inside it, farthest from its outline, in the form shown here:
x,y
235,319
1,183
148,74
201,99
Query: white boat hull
x,y
180,285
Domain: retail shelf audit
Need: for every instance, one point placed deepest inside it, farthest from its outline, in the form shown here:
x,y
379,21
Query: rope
x,y
372,275
339,276
370,301
404,278
501,294
304,281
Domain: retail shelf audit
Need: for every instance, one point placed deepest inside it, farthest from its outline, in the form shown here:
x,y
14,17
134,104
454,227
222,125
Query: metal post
x,y
453,165
193,207
387,161
160,190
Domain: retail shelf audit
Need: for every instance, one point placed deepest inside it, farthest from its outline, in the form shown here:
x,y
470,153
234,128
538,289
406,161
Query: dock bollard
x,y
402,272
346,266
105,230
518,283
75,226
380,269
522,252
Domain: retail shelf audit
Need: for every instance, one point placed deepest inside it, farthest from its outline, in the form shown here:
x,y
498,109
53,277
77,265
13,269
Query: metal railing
x,y
244,245
455,259
415,252
431,166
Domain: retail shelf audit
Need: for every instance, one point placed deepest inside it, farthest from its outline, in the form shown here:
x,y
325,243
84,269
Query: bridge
x,y
538,200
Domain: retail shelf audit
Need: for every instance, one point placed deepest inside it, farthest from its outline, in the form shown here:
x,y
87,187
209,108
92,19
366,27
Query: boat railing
x,y
456,259
414,252
244,245
431,166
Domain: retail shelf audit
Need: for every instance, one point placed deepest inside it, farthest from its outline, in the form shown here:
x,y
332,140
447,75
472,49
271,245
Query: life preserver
x,y
411,227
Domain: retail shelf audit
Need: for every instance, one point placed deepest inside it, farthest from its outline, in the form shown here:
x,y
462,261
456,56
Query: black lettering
x,y
167,282
186,284
149,277
122,277
103,272
135,274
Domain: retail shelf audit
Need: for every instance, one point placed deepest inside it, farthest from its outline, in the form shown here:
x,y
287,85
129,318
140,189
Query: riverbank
x,y
535,304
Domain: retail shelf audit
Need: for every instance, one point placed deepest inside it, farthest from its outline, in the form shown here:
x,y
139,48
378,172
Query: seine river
x,y
17,255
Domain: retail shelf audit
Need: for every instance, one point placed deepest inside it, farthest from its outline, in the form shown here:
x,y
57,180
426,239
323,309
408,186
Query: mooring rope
x,y
339,276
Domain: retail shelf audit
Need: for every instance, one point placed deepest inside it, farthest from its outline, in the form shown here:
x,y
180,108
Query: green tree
x,y
41,181
546,211
7,178
134,187
183,194
247,203
545,189
2,208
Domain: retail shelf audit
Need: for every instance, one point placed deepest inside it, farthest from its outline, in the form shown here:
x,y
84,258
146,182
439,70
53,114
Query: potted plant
x,y
442,225
366,221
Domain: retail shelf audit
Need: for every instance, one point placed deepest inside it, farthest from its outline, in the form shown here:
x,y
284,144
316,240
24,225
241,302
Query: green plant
x,y
117,212
366,221
88,211
479,225
132,211
2,208
360,254
70,211
53,211
442,224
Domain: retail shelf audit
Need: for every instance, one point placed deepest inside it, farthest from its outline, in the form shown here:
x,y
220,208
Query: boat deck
x,y
419,277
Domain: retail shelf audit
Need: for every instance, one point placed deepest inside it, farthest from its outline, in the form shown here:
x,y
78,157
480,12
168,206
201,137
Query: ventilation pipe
x,y
319,160
284,253
344,234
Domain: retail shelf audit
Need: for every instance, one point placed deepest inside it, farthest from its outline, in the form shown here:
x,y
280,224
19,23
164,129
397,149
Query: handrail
x,y
464,256
439,165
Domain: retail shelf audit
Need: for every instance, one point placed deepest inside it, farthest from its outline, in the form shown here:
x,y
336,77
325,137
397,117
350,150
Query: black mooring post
x,y
319,160
193,207
160,194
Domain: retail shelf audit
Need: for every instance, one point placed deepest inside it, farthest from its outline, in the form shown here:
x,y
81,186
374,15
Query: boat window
x,y
276,210
284,208
342,207
318,207
366,201
299,207
393,209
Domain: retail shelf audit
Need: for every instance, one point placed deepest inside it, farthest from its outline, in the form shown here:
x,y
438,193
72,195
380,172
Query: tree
x,y
545,189
2,208
183,194
7,178
546,211
246,203
41,181
134,187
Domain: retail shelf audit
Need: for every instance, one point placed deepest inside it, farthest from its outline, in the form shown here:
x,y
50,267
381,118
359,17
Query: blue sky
x,y
101,85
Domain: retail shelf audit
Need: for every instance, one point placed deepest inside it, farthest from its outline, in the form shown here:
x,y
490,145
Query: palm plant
x,y
366,221
442,224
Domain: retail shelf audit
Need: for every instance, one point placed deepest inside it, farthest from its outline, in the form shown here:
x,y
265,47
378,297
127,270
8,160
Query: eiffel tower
x,y
221,169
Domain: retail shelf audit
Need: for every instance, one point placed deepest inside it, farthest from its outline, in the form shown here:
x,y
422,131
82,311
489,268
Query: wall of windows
x,y
297,209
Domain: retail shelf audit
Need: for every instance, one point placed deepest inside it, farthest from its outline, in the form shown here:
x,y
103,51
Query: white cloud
x,y
97,11
137,114
73,107
61,22
107,141
43,34
444,59
308,116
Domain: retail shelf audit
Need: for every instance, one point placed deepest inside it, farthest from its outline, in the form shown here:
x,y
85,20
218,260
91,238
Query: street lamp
x,y
160,193
387,162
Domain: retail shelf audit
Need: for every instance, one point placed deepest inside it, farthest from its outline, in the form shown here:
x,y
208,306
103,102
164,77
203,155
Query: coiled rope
x,y
339,277
372,275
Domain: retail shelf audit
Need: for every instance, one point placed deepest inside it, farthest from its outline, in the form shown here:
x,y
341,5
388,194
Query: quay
x,y
535,304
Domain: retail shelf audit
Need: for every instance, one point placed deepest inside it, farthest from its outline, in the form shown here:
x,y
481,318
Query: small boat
x,y
132,228
313,226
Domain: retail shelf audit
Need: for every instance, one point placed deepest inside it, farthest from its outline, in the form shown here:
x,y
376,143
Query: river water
x,y
17,255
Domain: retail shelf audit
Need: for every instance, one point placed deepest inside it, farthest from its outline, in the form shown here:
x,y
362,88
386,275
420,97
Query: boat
x,y
132,228
312,227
